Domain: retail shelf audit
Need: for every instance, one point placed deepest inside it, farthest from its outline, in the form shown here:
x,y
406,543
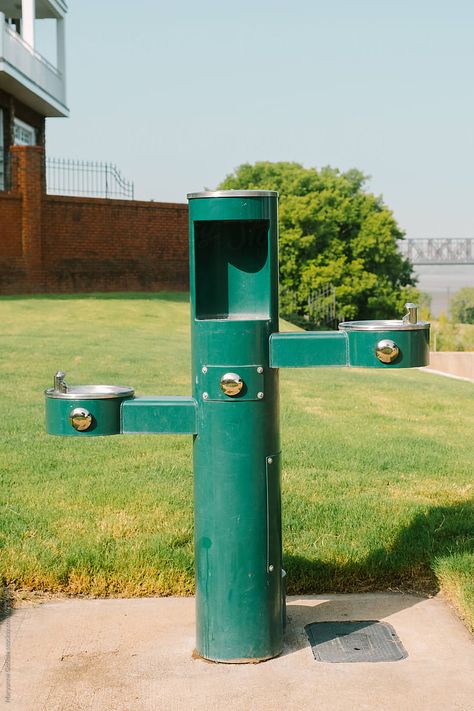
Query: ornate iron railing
x,y
65,176
320,311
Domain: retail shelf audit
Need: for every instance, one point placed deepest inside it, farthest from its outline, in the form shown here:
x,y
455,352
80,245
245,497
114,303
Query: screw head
x,y
260,396
260,369
205,396
271,568
204,369
269,460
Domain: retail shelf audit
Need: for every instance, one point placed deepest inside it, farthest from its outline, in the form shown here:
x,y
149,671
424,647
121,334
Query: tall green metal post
x,y
234,310
233,414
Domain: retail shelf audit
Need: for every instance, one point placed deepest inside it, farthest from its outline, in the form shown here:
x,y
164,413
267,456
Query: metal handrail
x,y
18,38
66,176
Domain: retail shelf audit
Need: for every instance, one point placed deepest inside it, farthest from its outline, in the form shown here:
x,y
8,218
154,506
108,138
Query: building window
x,y
24,134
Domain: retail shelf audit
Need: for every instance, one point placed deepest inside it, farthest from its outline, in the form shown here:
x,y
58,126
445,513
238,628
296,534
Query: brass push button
x,y
387,350
231,384
80,419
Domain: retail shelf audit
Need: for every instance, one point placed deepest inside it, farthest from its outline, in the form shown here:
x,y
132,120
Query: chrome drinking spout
x,y
60,386
412,314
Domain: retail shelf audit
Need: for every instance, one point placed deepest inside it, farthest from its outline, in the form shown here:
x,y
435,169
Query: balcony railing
x,y
31,64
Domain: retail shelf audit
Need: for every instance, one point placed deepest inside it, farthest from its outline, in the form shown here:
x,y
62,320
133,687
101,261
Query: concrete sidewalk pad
x,y
136,655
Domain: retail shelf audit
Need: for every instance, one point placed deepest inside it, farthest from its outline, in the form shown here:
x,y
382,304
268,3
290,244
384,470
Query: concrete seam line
x,y
446,375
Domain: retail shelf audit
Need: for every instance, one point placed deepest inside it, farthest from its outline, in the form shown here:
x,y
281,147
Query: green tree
x,y
333,232
462,305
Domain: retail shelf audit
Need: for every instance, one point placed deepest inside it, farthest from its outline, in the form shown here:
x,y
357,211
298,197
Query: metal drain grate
x,y
363,641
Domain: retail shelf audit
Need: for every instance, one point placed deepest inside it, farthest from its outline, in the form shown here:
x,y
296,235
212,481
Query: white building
x,y
31,86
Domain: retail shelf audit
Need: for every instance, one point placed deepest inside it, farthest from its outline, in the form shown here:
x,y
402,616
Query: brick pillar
x,y
27,169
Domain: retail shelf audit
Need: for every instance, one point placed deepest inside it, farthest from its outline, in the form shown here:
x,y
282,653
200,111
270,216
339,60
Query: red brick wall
x,y
72,244
114,245
10,225
12,267
27,165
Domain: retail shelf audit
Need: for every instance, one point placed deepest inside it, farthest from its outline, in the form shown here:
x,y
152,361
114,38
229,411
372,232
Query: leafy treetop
x,y
333,232
462,305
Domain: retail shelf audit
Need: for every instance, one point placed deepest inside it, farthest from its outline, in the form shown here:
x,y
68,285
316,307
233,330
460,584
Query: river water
x,y
441,282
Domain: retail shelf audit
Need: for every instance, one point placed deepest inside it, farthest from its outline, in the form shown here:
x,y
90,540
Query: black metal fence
x,y
319,311
65,176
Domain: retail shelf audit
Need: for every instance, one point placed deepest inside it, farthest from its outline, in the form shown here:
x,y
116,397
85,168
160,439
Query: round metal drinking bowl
x,y
84,410
399,343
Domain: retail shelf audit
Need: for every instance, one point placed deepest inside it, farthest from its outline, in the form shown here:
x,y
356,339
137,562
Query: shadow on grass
x,y
408,565
180,296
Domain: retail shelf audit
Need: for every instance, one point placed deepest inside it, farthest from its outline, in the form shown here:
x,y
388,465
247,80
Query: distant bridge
x,y
438,251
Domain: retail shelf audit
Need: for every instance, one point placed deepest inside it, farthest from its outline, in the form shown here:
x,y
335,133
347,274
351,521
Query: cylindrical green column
x,y
234,309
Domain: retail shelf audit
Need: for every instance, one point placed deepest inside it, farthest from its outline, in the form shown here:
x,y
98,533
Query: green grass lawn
x,y
377,466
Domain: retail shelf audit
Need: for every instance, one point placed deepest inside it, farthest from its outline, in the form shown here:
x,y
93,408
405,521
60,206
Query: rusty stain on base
x,y
195,655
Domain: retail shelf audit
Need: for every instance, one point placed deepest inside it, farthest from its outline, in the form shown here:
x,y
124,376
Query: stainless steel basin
x,y
383,325
408,323
91,392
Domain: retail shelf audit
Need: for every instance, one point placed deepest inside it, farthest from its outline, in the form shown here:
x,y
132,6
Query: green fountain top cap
x,y
232,194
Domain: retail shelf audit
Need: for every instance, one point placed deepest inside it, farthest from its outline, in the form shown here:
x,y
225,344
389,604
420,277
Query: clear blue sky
x,y
179,94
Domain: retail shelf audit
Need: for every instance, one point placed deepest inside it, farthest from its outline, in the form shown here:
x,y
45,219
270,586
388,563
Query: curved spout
x,y
60,385
412,314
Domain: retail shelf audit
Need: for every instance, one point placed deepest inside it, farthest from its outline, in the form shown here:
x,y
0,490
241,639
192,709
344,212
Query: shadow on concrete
x,y
6,610
366,609
6,603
